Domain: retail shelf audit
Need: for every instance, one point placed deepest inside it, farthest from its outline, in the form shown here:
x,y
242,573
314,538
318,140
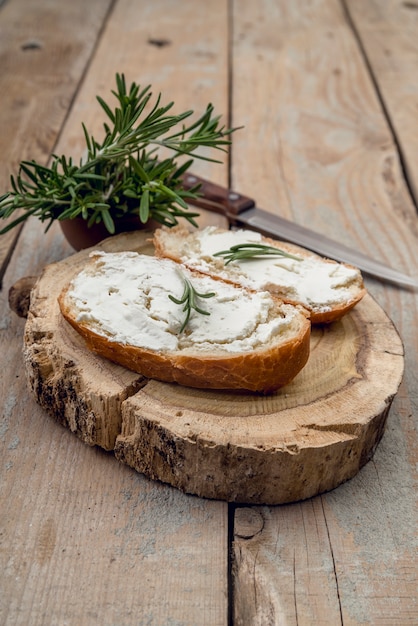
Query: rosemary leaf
x,y
253,251
144,207
138,169
190,299
108,222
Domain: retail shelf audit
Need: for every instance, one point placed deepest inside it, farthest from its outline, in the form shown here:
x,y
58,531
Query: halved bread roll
x,y
327,289
125,306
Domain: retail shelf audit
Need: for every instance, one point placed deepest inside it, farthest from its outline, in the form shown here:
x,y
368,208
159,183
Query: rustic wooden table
x,y
328,94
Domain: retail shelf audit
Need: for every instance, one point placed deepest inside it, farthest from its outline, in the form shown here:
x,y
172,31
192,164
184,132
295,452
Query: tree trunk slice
x,y
307,438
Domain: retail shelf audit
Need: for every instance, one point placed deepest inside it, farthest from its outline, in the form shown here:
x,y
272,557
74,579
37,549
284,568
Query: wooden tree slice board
x,y
307,438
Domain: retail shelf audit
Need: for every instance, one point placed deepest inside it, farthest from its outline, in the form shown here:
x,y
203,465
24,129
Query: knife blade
x,y
242,211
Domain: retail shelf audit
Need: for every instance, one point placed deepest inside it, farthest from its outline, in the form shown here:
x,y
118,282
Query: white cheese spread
x,y
125,297
316,284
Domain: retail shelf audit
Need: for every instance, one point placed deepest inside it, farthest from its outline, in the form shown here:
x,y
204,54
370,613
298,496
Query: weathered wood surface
x,y
387,34
307,438
88,542
348,557
42,62
76,530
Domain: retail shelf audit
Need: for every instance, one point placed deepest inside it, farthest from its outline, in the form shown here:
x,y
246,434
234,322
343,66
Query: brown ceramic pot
x,y
80,236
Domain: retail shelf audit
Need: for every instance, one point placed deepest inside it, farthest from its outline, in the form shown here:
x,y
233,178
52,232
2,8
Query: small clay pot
x,y
80,236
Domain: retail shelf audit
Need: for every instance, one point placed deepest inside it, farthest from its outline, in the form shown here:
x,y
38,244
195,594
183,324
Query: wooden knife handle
x,y
217,198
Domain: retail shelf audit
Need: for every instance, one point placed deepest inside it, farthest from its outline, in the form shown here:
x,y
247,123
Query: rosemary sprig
x,y
253,251
121,174
189,299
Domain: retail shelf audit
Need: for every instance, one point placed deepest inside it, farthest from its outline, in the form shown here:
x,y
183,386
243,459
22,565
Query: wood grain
x,y
284,566
90,542
388,35
44,50
75,533
329,161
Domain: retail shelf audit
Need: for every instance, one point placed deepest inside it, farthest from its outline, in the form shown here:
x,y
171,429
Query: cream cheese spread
x,y
316,284
125,297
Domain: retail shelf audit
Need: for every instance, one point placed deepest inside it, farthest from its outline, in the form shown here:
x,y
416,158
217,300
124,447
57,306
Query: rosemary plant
x,y
122,174
189,299
252,251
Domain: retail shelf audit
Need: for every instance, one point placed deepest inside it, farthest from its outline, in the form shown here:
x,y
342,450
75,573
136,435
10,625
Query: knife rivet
x,y
191,179
233,196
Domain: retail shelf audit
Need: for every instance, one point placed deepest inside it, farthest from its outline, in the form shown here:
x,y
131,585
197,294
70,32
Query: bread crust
x,y
164,241
263,370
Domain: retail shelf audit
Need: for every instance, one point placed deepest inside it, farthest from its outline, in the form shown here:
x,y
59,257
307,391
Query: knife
x,y
241,211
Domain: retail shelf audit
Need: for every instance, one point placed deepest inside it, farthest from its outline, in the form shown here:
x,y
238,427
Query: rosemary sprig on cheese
x,y
252,251
189,299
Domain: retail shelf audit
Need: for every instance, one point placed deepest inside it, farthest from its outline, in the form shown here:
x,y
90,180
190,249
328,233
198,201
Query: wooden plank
x,y
317,147
283,566
85,539
67,543
41,63
388,36
319,150
372,527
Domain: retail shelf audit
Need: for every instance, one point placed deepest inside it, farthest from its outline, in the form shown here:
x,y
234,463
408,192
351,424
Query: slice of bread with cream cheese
x,y
327,289
130,308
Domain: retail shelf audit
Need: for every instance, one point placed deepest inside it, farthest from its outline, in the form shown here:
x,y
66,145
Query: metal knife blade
x,y
241,211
